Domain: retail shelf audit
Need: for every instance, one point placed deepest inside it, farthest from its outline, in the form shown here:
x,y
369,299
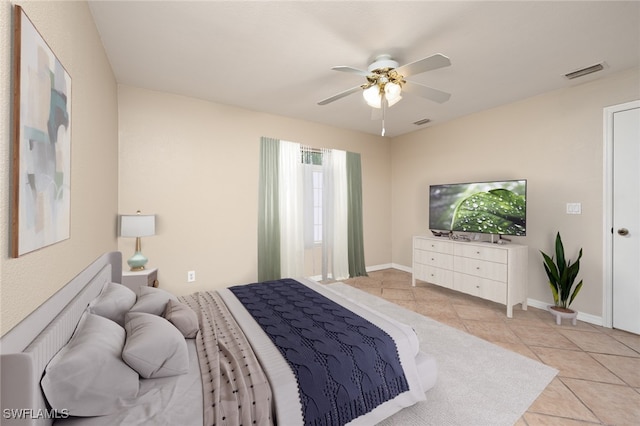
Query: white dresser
x,y
496,272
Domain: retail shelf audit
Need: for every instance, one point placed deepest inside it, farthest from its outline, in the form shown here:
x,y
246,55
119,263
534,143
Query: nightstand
x,y
135,279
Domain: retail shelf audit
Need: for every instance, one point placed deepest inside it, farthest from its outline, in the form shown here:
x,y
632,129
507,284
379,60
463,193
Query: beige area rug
x,y
479,383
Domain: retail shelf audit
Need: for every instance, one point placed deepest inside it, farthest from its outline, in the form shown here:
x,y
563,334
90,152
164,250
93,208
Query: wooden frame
x,y
41,150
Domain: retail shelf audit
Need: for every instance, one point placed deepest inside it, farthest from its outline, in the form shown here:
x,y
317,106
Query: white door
x,y
626,220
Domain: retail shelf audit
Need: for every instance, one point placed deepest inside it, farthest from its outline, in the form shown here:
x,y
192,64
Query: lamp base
x,y
137,261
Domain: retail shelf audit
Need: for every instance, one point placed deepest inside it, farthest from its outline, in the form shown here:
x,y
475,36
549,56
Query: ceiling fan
x,y
386,81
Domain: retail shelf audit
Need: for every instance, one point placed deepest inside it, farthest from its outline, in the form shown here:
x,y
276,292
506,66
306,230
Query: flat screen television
x,y
498,207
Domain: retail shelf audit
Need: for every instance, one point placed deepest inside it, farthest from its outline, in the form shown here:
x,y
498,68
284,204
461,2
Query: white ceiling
x,y
276,56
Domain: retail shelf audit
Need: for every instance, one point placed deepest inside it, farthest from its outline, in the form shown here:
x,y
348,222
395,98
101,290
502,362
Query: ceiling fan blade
x,y
426,64
344,68
426,92
340,95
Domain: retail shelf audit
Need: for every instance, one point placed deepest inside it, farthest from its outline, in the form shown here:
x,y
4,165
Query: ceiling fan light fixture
x,y
392,92
372,96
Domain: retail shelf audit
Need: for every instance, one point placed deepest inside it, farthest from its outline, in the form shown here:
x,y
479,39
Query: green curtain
x,y
356,240
268,216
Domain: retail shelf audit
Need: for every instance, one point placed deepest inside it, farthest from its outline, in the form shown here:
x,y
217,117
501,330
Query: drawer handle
x,y
477,252
478,268
432,258
477,286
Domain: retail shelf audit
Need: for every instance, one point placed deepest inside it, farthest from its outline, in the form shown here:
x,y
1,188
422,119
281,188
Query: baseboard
x,y
379,267
389,266
402,267
373,269
591,319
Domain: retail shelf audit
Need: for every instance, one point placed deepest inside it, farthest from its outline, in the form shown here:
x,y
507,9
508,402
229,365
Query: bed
x,y
280,363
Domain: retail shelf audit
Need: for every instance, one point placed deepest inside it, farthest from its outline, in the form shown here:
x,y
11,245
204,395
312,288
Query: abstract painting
x,y
41,151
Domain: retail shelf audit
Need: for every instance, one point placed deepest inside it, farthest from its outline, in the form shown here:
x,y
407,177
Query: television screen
x,y
498,207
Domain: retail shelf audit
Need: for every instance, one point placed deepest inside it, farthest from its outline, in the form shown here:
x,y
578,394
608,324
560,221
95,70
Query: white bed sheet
x,y
283,382
166,401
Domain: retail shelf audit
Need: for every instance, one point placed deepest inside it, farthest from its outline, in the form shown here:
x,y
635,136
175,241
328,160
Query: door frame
x,y
607,234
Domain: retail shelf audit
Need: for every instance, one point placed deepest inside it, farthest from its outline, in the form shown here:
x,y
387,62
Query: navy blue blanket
x,y
345,366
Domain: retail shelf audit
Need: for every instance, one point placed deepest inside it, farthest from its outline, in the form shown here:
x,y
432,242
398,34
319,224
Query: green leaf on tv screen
x,y
498,211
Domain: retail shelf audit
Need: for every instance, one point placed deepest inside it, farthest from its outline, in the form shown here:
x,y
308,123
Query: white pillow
x,y
183,318
87,376
154,347
152,300
113,302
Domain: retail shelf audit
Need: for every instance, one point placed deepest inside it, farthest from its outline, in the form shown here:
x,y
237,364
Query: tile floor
x,y
599,368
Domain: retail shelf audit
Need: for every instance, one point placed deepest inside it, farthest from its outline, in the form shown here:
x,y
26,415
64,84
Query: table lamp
x,y
137,226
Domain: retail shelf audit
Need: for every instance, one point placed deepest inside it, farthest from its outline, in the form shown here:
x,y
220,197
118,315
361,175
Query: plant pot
x,y
560,313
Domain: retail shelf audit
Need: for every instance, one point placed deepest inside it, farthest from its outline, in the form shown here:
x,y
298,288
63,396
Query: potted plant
x,y
562,276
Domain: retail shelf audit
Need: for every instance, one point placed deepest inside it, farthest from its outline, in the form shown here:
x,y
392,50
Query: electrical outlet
x,y
191,276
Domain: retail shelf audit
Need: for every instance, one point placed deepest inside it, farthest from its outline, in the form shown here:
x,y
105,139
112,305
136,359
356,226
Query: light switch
x,y
574,208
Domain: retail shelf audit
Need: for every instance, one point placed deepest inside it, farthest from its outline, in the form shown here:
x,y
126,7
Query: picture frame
x,y
41,142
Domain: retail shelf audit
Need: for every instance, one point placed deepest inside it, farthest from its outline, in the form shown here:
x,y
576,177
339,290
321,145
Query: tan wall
x,y
555,141
69,30
195,165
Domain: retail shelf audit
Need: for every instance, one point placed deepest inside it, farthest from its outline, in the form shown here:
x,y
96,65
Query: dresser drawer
x,y
430,274
433,258
443,246
480,287
481,268
475,251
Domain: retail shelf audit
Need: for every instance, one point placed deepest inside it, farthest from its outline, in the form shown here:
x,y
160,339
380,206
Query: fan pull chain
x,y
384,109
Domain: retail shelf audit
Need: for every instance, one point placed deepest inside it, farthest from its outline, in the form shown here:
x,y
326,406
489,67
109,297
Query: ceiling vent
x,y
423,121
585,71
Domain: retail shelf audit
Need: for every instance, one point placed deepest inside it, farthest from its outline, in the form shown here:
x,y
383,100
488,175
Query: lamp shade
x,y
137,225
372,96
392,91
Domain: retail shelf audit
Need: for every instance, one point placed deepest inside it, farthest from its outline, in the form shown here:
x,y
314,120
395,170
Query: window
x,y
312,159
317,205
285,220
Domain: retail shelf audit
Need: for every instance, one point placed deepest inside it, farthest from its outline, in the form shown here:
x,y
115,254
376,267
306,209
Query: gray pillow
x,y
152,300
113,302
154,347
183,318
87,376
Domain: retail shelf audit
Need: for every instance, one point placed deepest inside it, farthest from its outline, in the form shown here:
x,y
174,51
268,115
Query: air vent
x,y
585,71
423,121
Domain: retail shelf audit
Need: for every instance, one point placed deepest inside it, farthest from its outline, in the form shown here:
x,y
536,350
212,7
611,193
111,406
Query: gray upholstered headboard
x,y
27,348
